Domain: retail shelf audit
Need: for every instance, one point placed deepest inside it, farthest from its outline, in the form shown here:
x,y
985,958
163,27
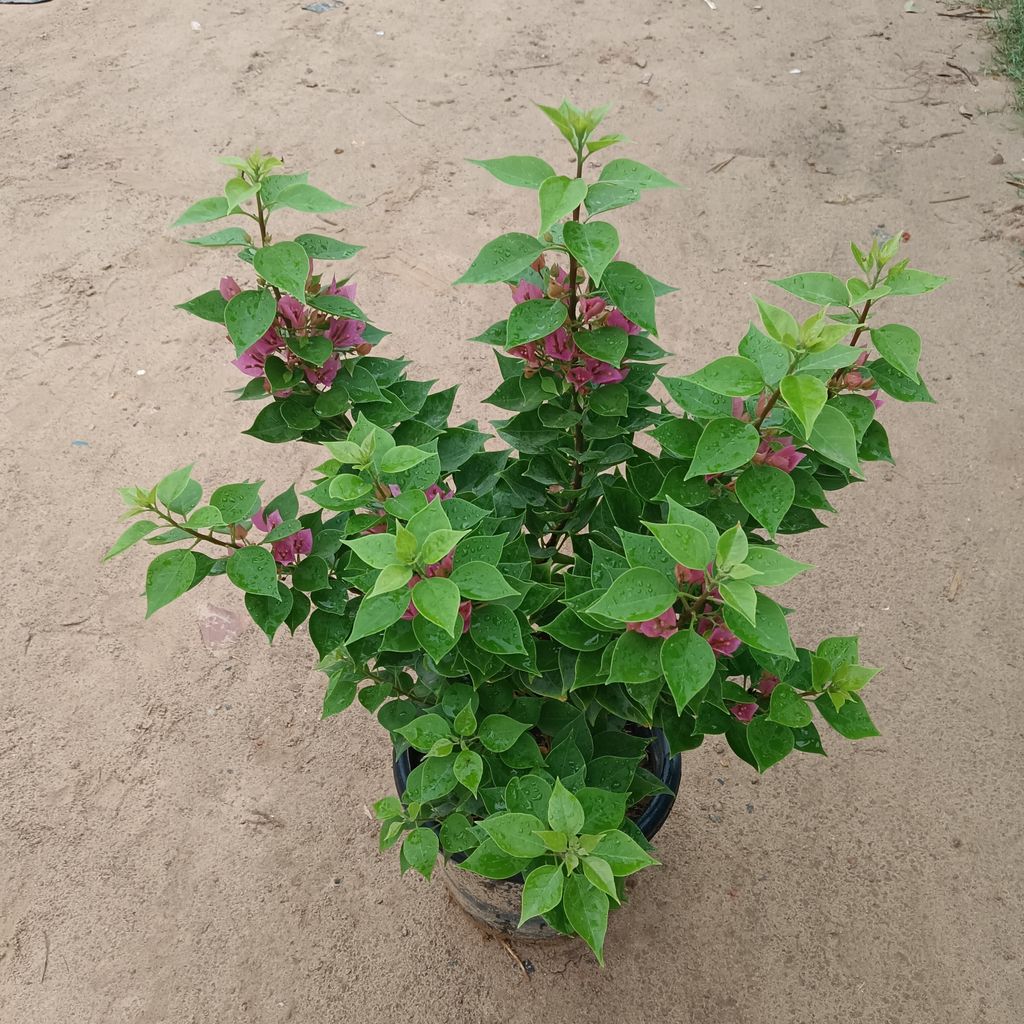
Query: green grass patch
x,y
1008,30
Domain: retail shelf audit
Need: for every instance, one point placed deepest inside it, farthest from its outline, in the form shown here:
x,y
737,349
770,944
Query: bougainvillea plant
x,y
522,615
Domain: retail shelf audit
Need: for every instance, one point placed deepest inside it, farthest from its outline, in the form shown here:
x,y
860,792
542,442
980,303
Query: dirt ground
x,y
182,840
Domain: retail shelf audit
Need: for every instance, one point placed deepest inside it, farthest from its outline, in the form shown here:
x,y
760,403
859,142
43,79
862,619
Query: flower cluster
x,y
297,320
557,351
287,550
698,590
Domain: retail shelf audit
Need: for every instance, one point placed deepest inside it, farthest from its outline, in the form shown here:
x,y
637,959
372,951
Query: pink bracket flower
x,y
663,625
743,712
720,639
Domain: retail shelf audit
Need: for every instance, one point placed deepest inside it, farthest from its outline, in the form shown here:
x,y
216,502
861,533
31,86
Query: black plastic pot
x,y
496,902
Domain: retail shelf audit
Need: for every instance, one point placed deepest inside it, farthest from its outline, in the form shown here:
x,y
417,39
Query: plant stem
x,y
261,219
579,442
209,538
573,266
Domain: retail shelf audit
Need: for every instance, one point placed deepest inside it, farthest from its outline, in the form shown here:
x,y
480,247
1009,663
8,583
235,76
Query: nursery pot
x,y
496,903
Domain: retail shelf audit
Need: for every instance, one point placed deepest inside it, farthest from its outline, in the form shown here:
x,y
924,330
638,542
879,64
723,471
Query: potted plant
x,y
545,617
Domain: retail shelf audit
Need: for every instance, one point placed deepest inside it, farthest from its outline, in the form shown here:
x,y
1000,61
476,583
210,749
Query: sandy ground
x,y
182,840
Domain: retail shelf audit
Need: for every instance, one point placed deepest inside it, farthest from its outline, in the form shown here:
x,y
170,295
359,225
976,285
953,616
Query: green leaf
x,y
725,444
542,891
375,614
852,719
603,196
501,259
515,833
599,873
680,514
821,289
631,293
169,575
439,544
208,306
834,437
637,595
688,662
913,282
402,457
269,612
205,517
253,570
320,247
238,191
897,384
457,834
528,794
341,691
565,812
392,577
236,502
533,319
624,855
479,581
178,491
429,519
433,639
495,629
491,862
131,536
285,265
520,171
424,731
345,452
735,376
388,807
226,236
377,549
635,659
773,358
806,396
311,573
687,545
732,548
499,732
740,596
779,324
336,305
205,210
770,634
769,742
788,708
608,344
774,567
469,769
767,494
307,199
419,851
438,599
900,347
634,174
559,196
602,810
586,909
349,488
595,145
594,245
610,400
432,779
569,630
248,316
